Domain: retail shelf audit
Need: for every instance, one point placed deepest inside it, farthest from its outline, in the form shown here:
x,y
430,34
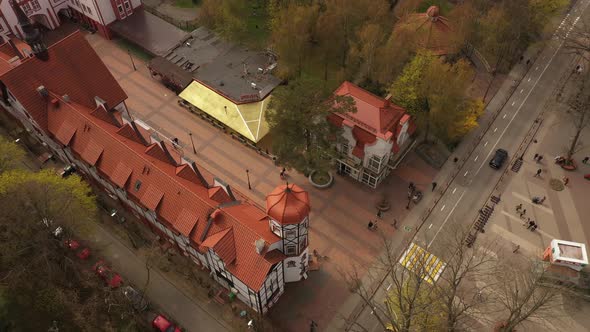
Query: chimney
x,y
260,244
42,91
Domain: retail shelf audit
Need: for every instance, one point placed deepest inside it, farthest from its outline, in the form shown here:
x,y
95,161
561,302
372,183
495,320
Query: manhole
x,y
556,184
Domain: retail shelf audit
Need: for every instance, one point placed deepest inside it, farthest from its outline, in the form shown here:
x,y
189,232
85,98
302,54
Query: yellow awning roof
x,y
246,119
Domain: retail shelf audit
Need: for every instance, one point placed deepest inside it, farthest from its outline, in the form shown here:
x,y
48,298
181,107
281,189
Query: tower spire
x,y
31,34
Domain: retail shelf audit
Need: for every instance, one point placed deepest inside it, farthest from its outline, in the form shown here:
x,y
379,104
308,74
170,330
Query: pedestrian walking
x,y
538,174
566,180
531,224
379,214
539,159
536,156
370,225
528,220
522,213
519,207
282,174
434,184
585,160
534,227
394,223
542,200
455,159
528,62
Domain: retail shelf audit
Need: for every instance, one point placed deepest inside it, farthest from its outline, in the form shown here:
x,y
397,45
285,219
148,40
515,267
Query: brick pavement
x,y
339,214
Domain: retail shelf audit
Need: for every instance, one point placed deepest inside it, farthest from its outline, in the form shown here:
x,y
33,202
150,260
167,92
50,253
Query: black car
x,y
499,158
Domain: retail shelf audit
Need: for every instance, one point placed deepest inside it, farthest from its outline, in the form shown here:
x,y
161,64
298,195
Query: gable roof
x,y
73,69
374,114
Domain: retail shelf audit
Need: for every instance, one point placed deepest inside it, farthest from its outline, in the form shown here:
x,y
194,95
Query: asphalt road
x,y
474,183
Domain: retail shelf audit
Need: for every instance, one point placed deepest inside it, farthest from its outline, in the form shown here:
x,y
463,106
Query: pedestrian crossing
x,y
423,263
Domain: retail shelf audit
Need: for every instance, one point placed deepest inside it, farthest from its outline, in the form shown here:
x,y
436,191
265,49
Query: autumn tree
x,y
297,116
435,93
227,16
10,154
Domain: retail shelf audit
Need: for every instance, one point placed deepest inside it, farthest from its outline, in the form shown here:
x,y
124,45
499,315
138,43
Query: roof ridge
x,y
141,155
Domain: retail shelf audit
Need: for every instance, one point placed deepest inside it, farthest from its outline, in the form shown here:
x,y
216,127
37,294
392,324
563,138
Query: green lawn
x,y
186,3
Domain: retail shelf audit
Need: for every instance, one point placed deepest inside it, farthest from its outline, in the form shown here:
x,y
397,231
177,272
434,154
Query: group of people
x,y
531,224
538,157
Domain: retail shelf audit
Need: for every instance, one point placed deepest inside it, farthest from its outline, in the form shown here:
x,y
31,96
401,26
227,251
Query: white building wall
x,y
106,10
88,8
380,148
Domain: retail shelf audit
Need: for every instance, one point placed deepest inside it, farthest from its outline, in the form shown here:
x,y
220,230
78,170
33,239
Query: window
x,y
222,276
375,163
344,148
291,264
126,5
89,10
303,243
120,9
275,229
137,185
369,179
290,233
291,249
26,7
35,5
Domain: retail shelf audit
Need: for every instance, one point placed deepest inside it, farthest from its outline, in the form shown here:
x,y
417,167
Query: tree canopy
x,y
435,93
10,154
302,137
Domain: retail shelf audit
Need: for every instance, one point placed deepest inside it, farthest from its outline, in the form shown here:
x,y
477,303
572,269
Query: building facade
x,y
50,14
79,112
372,137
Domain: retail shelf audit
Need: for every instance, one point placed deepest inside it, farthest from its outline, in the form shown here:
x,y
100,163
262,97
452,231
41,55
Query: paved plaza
x,y
339,214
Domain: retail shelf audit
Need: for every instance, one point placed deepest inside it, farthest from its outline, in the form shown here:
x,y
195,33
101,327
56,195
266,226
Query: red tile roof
x,y
374,114
73,68
151,197
288,204
65,133
186,221
121,174
91,152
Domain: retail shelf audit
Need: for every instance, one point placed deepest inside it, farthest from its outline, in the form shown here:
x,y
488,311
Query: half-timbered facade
x,y
79,112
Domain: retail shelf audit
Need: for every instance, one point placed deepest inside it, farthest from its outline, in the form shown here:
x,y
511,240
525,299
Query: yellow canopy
x,y
246,119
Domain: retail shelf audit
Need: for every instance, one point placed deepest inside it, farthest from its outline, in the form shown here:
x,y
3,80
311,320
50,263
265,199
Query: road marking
x,y
486,143
429,227
476,158
454,190
447,218
443,207
504,117
513,103
523,101
465,173
495,129
521,90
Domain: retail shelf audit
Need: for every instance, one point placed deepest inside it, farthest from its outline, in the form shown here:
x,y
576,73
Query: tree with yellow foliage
x,y
435,93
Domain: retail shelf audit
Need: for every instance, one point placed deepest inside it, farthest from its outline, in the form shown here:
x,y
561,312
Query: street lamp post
x,y
248,177
130,57
192,142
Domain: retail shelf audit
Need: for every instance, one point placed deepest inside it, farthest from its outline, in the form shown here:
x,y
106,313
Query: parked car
x,y
139,302
67,171
74,245
162,324
498,159
111,278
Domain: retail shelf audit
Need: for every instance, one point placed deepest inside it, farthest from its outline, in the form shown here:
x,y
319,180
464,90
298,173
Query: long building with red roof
x,y
372,136
79,111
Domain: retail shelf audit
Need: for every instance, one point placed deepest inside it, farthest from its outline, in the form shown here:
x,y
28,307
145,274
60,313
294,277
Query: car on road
x,y
111,278
74,245
162,324
498,159
138,301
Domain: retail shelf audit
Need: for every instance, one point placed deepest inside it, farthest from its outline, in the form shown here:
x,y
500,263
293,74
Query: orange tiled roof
x,y
288,204
374,114
73,68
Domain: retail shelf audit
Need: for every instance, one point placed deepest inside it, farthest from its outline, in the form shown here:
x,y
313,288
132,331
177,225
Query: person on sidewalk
x,y
538,174
534,227
531,224
542,200
519,207
522,213
379,214
394,223
536,156
539,159
566,180
434,184
585,160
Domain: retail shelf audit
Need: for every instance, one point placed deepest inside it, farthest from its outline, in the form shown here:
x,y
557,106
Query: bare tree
x,y
579,111
577,41
523,293
463,264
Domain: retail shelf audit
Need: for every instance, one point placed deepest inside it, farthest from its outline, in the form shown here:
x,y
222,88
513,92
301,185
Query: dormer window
x,y
137,185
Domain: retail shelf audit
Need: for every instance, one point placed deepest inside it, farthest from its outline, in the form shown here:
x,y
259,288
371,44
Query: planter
x,y
320,181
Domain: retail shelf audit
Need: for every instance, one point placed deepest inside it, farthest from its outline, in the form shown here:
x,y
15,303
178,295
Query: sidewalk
x,y
190,314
